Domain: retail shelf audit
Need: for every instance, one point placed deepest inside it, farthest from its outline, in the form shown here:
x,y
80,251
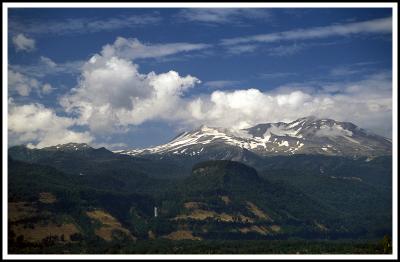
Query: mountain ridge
x,y
307,135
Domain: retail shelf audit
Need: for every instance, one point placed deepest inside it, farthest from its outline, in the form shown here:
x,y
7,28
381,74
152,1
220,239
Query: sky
x,y
136,77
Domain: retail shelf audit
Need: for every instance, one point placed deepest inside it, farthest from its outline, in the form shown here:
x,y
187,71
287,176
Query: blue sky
x,y
135,77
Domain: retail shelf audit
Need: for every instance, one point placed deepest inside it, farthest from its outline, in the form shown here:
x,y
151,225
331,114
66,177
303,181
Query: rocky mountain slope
x,y
308,135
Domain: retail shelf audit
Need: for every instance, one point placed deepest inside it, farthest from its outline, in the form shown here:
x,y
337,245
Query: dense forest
x,y
100,202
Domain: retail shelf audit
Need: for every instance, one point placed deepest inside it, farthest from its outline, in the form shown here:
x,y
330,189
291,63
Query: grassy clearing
x,y
257,211
182,235
47,198
38,232
110,226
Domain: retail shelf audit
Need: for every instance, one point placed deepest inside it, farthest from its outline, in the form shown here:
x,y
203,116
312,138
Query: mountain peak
x,y
307,135
70,147
205,128
309,118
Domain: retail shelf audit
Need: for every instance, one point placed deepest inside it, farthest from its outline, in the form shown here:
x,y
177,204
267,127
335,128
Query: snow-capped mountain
x,y
69,147
308,135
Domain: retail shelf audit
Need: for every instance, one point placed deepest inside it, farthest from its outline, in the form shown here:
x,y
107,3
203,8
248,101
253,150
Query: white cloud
x,y
127,48
24,85
369,101
46,67
352,69
243,108
112,94
132,48
21,84
382,25
23,43
110,146
160,97
333,131
222,83
47,89
48,62
40,127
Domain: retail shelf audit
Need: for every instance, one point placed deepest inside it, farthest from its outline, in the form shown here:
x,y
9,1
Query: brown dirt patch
x,y
182,234
110,225
194,205
21,210
151,235
245,219
200,214
257,211
275,228
258,229
226,200
47,198
226,217
197,214
103,217
40,232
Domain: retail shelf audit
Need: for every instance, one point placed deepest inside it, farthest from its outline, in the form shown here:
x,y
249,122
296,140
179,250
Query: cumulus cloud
x,y
243,108
23,43
368,100
23,85
40,127
112,94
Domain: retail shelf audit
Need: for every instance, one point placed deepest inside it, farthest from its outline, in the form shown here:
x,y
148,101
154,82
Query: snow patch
x,y
283,143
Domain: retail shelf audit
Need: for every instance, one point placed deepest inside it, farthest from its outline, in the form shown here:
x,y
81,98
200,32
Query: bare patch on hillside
x,y
151,235
257,229
37,232
181,235
198,214
226,200
21,210
257,211
47,198
194,205
110,227
275,228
